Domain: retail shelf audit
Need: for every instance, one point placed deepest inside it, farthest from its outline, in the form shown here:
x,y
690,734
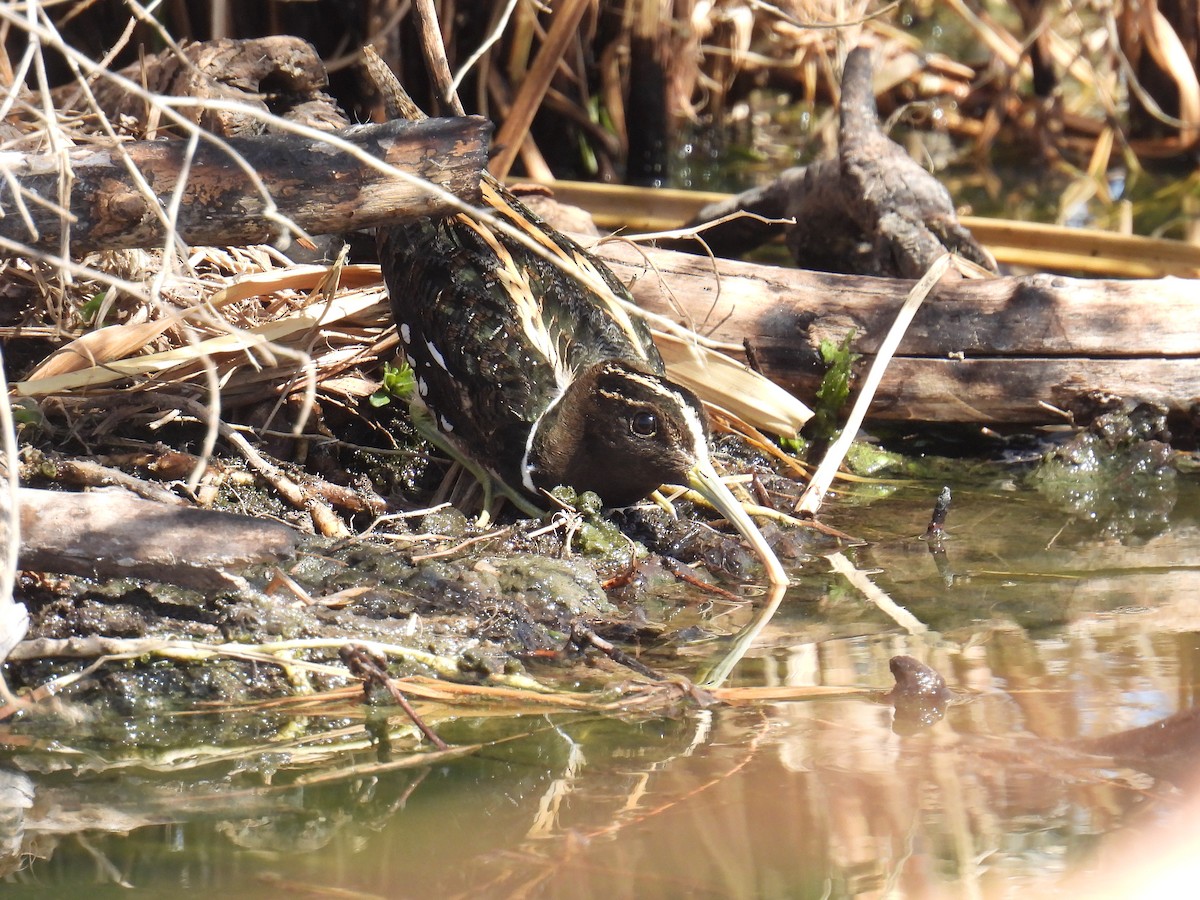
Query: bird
x,y
540,377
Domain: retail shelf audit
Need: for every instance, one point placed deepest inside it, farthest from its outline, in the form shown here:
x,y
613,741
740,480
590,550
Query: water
x,y
1049,623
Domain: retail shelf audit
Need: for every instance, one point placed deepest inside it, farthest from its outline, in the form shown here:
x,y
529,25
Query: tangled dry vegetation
x,y
146,361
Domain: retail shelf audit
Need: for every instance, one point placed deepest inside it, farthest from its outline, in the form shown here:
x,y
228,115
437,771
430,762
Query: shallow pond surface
x,y
1051,623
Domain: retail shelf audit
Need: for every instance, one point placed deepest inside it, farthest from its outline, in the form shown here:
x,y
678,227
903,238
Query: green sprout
x,y
90,311
398,383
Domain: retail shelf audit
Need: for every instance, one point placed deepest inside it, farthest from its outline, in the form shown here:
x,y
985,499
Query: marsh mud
x,y
448,596
1041,713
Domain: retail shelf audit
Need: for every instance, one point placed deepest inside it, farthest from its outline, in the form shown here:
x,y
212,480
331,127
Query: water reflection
x,y
1053,644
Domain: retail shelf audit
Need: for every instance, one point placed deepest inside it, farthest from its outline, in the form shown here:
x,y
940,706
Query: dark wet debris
x,y
1118,473
920,696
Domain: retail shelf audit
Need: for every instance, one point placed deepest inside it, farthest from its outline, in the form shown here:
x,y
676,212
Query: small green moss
x,y
835,386
868,459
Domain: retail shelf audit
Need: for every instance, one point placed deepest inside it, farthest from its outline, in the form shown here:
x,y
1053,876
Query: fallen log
x,y
321,188
1003,350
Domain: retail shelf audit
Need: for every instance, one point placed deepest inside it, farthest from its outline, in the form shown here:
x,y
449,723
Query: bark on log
x,y
992,351
322,189
113,534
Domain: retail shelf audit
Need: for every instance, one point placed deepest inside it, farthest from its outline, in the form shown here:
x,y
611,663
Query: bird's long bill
x,y
704,479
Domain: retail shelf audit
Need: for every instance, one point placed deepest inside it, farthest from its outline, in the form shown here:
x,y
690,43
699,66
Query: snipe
x,y
540,377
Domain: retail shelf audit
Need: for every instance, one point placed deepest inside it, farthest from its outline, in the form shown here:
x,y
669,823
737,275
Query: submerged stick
x,y
937,521
876,595
582,636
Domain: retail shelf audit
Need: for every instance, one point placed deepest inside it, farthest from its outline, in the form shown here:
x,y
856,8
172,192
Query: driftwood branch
x,y
320,188
871,211
995,351
113,534
279,74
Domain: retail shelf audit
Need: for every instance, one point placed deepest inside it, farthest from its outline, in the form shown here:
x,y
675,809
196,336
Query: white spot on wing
x,y
437,356
446,426
406,335
422,387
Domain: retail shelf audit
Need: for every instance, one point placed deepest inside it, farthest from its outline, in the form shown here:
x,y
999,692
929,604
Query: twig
x,y
483,48
876,595
463,545
86,473
582,636
325,520
680,571
435,55
372,669
533,87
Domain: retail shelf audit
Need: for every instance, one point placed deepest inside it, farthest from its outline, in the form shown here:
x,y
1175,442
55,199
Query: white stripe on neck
x,y
526,464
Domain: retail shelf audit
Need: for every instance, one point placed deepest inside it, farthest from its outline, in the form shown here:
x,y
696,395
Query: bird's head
x,y
620,431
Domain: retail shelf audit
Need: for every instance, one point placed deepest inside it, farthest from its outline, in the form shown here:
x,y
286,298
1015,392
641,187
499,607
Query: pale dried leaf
x,y
722,381
98,347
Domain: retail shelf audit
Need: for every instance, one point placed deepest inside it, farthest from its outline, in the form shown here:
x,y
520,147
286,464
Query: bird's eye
x,y
644,424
